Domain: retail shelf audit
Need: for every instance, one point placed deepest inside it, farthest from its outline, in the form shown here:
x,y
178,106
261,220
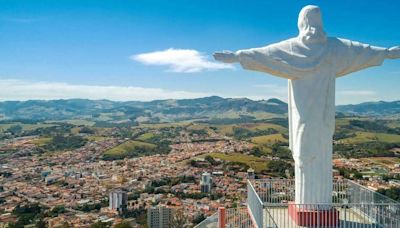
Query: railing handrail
x,y
336,204
254,190
375,192
361,214
255,205
335,181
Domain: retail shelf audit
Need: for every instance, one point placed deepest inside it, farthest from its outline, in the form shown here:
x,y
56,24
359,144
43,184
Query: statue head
x,y
311,29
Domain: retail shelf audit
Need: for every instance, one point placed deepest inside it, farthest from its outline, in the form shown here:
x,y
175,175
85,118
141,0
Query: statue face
x,y
310,25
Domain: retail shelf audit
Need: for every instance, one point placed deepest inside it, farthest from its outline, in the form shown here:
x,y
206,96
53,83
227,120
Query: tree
x,y
279,167
123,224
15,129
393,192
211,160
101,224
41,223
256,152
61,142
86,130
27,214
199,218
59,209
179,220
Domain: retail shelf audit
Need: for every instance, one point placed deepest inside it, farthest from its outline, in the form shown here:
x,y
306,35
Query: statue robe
x,y
312,70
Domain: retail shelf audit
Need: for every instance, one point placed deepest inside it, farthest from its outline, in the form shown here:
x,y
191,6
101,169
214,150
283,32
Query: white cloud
x,y
180,60
25,90
11,89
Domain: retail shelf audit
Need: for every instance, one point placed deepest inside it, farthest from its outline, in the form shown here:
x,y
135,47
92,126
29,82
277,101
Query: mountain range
x,y
170,110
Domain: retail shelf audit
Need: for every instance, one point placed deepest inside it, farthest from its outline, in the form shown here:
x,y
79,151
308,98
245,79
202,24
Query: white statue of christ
x,y
312,62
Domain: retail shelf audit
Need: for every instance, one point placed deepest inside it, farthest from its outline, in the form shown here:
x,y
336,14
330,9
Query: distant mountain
x,y
158,110
380,108
169,110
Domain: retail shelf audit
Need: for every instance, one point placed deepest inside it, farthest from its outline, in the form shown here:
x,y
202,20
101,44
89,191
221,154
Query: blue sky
x,y
119,49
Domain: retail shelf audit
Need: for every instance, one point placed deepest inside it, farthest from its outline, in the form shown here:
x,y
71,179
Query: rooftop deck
x,y
270,201
349,216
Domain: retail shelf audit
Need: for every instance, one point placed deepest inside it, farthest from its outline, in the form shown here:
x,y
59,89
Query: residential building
x,y
205,183
159,217
118,201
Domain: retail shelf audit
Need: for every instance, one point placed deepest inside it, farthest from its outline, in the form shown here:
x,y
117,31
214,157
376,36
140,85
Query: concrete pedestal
x,y
306,216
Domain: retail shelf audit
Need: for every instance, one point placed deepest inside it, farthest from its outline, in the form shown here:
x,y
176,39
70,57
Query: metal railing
x,y
231,218
356,193
355,205
332,215
238,218
255,204
272,191
270,203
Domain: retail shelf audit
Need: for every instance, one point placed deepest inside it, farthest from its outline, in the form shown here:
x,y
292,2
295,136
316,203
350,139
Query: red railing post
x,y
221,217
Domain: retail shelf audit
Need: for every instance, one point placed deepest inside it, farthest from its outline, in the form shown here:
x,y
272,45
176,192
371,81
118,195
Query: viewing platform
x,y
270,205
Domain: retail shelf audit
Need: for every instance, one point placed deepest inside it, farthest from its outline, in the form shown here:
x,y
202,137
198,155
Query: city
x,y
206,168
199,114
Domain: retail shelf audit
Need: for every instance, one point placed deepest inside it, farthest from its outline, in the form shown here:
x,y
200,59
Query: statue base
x,y
305,215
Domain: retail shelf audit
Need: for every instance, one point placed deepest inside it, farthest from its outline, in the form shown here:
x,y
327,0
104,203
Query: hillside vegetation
x,y
130,148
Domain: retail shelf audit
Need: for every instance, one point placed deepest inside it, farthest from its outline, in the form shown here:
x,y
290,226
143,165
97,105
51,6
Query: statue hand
x,y
226,57
394,52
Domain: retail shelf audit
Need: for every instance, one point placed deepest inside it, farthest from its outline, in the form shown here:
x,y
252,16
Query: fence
x,y
270,204
333,215
353,205
255,205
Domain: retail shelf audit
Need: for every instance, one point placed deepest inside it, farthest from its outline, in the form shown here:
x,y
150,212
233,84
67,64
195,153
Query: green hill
x,y
130,148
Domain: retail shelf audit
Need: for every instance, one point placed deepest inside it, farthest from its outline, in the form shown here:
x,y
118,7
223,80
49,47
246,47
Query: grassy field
x,y
266,115
264,126
229,114
25,127
268,139
394,123
198,127
385,161
342,121
228,129
258,164
127,147
162,125
346,121
75,130
41,141
96,138
237,114
80,122
362,137
145,136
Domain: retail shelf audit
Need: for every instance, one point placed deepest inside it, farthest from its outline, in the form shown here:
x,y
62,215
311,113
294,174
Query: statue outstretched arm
x,y
226,57
234,57
352,56
256,59
394,53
